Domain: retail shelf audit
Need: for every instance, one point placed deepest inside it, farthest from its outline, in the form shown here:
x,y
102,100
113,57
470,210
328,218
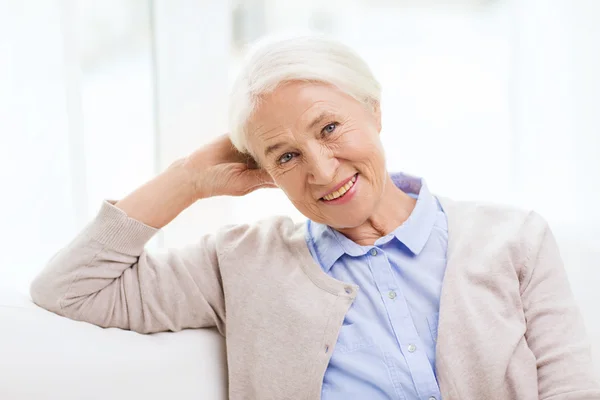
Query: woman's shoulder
x,y
272,234
495,229
498,218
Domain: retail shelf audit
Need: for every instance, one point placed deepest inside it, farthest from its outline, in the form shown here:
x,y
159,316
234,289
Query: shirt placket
x,y
405,332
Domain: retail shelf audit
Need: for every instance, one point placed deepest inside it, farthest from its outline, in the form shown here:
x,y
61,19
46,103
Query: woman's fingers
x,y
219,169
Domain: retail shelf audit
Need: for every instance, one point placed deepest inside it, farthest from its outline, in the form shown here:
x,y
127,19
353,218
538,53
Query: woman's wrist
x,y
160,200
185,176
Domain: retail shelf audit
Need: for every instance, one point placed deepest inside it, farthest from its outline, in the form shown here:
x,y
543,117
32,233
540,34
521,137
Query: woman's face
x,y
322,148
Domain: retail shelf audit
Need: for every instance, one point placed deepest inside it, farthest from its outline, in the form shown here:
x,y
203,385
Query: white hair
x,y
304,58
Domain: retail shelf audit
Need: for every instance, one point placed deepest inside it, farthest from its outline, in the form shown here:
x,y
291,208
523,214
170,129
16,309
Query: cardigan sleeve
x,y
107,278
555,329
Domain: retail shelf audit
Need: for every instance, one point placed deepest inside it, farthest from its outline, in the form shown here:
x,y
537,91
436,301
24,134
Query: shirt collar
x,y
415,231
330,244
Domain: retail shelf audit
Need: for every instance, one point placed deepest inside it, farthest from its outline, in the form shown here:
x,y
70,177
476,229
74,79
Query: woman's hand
x,y
218,169
214,170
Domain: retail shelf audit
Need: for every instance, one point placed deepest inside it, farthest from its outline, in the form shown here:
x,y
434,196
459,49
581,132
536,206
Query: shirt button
x,y
348,289
373,252
432,398
392,294
412,348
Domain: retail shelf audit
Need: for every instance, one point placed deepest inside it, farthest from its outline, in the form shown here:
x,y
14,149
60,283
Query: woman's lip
x,y
346,197
339,186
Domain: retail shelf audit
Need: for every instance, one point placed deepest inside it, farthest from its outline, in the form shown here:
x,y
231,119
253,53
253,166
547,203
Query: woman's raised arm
x,y
106,277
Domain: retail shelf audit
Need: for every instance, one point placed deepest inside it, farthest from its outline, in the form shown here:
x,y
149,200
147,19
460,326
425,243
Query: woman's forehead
x,y
296,103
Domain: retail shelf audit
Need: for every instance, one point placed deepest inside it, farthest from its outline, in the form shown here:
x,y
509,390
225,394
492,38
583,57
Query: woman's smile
x,y
344,192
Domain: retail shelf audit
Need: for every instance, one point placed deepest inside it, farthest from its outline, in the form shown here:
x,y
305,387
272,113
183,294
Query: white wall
x,y
76,125
38,208
557,95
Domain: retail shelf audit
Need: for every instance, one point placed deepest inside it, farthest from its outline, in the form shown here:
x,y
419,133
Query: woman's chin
x,y
344,217
347,221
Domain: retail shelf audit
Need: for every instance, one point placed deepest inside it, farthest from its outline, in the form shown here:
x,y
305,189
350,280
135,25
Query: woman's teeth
x,y
341,191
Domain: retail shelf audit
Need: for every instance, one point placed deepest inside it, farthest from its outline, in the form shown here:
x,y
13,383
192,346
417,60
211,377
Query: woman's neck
x,y
393,209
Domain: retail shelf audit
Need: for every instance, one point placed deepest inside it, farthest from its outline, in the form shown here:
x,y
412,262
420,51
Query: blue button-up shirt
x,y
386,346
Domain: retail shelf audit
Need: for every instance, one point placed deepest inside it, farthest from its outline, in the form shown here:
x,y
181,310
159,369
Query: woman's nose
x,y
322,166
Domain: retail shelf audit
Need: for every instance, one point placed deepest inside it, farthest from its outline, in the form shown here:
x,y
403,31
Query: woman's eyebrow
x,y
270,149
319,120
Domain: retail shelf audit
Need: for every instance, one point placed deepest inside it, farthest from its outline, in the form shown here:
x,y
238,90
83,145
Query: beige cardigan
x,y
509,327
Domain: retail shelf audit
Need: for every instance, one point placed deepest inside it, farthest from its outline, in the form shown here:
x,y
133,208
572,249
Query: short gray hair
x,y
304,58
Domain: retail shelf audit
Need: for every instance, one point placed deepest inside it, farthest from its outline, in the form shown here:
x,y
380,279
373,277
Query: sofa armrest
x,y
45,356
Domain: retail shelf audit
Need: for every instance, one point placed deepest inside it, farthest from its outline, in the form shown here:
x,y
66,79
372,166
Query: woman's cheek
x,y
276,174
290,188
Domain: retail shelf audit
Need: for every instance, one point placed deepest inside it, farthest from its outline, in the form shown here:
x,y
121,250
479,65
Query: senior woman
x,y
385,292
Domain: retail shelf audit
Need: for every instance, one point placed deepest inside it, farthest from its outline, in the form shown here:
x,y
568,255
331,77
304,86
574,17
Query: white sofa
x,y
44,356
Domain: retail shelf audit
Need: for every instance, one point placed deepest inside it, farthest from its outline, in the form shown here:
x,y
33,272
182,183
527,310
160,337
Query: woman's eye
x,y
286,158
330,127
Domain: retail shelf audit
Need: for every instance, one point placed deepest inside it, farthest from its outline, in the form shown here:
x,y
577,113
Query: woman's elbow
x,y
44,293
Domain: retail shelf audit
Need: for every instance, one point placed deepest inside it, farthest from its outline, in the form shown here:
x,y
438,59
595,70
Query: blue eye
x,y
329,128
287,157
